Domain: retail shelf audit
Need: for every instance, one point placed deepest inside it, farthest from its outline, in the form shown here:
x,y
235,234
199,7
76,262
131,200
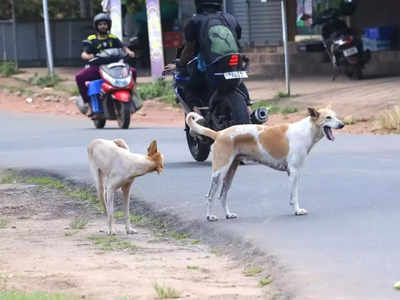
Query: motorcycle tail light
x,y
234,61
106,87
349,40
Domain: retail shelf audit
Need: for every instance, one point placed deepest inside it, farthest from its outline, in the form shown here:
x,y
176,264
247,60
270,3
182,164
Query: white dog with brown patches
x,y
113,166
281,147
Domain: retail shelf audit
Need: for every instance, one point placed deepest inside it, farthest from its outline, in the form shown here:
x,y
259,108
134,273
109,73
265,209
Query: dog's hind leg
x,y
215,183
227,182
294,192
125,192
99,183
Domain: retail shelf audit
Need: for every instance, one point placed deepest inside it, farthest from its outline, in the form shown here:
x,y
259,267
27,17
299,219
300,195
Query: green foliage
x,y
166,292
193,267
112,243
14,295
44,81
160,89
8,68
3,224
264,282
253,271
79,223
179,236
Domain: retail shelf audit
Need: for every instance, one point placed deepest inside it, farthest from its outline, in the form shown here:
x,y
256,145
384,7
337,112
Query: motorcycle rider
x,y
192,31
98,42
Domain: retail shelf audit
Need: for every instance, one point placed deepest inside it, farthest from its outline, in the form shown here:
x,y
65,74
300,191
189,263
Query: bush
x,y
8,68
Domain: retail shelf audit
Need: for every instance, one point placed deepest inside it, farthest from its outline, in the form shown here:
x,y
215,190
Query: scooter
x,y
224,107
344,49
112,96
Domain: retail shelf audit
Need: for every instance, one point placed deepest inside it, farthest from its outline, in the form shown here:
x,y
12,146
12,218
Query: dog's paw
x,y
231,216
110,232
212,218
301,212
131,231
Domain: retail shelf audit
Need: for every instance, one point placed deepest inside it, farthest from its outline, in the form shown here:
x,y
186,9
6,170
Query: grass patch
x,y
273,108
73,91
70,233
3,223
119,215
179,236
79,223
264,282
44,81
8,177
47,181
14,295
195,242
166,292
112,243
14,89
137,219
8,68
253,271
161,89
193,267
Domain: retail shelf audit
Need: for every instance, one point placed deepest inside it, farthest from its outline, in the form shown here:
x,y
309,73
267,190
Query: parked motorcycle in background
x,y
345,50
226,106
112,96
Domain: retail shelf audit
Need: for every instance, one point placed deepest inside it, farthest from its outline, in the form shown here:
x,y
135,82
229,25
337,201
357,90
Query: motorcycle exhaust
x,y
259,116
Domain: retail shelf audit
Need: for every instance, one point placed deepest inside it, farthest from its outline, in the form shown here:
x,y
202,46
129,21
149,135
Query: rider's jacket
x,y
98,44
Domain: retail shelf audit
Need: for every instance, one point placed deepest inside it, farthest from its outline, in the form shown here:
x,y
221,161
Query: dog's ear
x,y
152,148
314,114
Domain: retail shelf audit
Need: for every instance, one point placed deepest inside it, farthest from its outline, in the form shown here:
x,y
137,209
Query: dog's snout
x,y
341,125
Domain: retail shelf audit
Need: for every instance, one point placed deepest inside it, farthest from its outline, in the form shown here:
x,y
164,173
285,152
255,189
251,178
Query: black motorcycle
x,y
221,108
345,50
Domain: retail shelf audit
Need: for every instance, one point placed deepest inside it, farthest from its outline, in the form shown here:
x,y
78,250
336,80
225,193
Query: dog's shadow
x,y
187,165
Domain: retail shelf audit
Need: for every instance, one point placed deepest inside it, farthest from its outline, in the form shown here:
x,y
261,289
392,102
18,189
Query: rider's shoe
x,y
82,106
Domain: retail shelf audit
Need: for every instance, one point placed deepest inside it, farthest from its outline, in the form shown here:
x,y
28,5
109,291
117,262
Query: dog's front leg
x,y
215,180
110,209
125,191
294,192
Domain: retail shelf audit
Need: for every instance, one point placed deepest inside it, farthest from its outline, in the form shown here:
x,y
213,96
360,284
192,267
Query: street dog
x,y
281,147
113,166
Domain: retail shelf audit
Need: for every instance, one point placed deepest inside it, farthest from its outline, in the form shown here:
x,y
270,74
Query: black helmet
x,y
202,3
102,17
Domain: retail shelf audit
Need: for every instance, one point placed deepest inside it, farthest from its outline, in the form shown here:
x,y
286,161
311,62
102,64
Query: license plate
x,y
350,51
235,75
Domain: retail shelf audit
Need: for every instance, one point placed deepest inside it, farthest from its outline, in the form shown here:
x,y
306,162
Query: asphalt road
x,y
346,248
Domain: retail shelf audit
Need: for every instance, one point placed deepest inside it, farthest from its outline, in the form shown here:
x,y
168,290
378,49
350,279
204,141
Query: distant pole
x,y
285,47
155,38
48,38
14,33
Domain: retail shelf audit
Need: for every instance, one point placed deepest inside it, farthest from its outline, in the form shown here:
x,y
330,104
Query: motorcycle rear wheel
x,y
124,115
231,110
199,149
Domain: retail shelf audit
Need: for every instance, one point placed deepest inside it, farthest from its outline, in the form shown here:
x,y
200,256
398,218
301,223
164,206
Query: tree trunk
x,y
83,8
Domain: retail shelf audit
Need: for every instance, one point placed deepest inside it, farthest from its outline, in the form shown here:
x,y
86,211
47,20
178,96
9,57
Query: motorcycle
x,y
225,106
344,49
112,96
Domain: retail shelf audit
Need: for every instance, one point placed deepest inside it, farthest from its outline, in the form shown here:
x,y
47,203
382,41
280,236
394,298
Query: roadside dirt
x,y
153,113
41,251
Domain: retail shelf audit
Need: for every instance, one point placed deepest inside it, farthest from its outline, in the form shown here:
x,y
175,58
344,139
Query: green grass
x,y
264,282
160,89
73,91
3,223
179,236
195,242
44,81
166,292
273,108
138,219
8,68
119,215
289,110
14,89
112,243
8,177
14,295
253,271
47,181
79,223
192,267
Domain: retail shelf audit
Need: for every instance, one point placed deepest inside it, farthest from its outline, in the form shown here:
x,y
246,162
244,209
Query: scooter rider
x,y
192,32
98,42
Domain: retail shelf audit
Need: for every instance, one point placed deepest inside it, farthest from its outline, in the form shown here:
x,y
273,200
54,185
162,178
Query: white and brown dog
x,y
281,147
113,166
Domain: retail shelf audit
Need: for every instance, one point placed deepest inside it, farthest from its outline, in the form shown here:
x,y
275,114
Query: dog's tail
x,y
191,121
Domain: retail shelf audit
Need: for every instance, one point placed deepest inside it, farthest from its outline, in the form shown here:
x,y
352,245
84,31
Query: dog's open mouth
x,y
328,133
